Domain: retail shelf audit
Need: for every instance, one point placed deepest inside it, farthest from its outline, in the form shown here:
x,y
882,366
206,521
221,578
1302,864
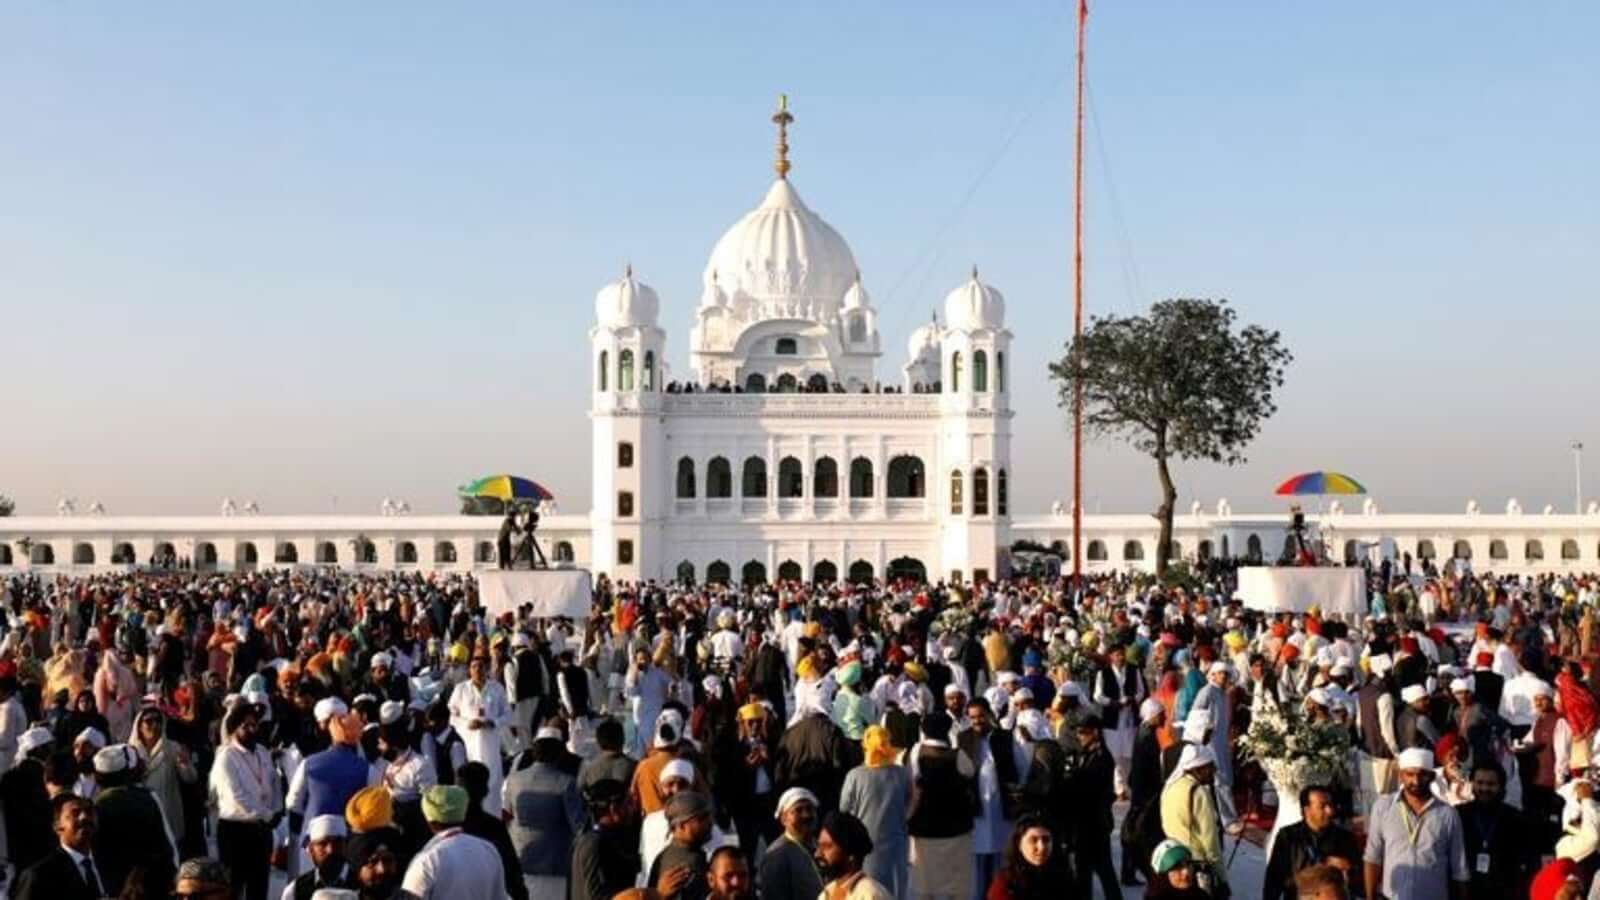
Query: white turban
x,y
549,733
391,711
1318,696
1460,686
114,759
1033,724
1543,689
328,826
1411,693
31,740
791,797
382,659
1195,727
328,707
677,768
1380,664
1194,756
1150,708
1416,758
92,737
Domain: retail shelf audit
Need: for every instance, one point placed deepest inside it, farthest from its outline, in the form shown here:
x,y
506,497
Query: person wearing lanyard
x,y
453,864
1500,839
249,803
789,870
1415,846
1314,840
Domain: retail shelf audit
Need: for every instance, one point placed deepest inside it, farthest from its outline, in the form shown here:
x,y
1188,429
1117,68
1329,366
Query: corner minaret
x,y
628,350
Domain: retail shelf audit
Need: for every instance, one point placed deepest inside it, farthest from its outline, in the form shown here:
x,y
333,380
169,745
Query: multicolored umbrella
x,y
507,488
1316,483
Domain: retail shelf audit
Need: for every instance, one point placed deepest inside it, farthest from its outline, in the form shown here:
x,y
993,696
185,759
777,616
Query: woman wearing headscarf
x,y
167,767
116,693
876,792
81,716
1579,708
851,711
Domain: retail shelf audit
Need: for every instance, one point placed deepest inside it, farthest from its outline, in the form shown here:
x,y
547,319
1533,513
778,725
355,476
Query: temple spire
x,y
782,118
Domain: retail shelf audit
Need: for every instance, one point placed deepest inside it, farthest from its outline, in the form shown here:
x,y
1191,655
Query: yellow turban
x,y
876,745
813,630
1235,641
370,809
458,653
751,711
916,672
807,668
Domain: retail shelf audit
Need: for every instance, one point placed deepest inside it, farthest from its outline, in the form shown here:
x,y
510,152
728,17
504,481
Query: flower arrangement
x,y
1293,750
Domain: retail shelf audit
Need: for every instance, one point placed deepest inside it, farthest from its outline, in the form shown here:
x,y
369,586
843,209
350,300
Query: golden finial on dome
x,y
782,118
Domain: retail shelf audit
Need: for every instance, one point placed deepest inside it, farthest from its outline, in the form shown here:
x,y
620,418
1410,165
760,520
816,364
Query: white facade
x,y
787,457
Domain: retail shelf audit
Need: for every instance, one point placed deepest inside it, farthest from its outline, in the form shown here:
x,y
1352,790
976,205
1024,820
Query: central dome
x,y
781,250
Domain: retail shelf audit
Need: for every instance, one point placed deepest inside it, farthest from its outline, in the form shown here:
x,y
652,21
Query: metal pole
x,y
1577,477
1077,320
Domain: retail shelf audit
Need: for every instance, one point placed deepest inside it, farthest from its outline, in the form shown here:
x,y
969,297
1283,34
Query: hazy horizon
x,y
296,255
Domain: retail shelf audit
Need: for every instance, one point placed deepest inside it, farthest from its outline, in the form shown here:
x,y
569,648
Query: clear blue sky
x,y
300,251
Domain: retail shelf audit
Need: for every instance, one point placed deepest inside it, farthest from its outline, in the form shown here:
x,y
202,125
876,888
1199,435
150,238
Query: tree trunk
x,y
1169,500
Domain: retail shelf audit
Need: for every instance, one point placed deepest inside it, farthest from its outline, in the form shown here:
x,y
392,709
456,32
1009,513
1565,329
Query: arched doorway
x,y
787,383
1132,551
1096,551
286,554
248,557
719,572
789,570
755,383
83,554
754,572
909,569
405,553
564,552
906,477
860,572
165,555
42,555
817,384
444,553
5,555
686,572
205,556
327,554
824,572
485,552
1461,550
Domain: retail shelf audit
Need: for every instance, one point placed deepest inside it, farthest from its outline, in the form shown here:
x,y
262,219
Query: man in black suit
x,y
69,871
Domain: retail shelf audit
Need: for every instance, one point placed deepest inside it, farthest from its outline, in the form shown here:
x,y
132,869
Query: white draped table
x,y
1332,589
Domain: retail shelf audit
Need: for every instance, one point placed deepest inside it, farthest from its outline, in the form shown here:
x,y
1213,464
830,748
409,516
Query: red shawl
x,y
1577,705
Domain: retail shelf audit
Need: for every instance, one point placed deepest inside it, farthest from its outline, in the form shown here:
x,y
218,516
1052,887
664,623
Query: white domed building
x,y
782,454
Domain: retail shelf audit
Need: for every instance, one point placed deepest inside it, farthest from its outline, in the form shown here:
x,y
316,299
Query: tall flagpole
x,y
1077,320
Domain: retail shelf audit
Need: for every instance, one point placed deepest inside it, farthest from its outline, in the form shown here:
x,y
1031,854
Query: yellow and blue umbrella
x,y
1318,483
507,488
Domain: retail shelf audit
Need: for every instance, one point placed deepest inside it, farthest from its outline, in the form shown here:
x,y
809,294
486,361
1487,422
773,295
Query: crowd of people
x,y
378,735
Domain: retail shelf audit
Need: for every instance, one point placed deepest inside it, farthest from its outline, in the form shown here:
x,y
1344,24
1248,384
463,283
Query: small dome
x,y
856,297
924,338
713,295
975,305
626,302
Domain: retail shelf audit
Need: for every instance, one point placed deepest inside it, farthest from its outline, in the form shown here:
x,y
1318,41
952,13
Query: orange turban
x,y
875,744
370,809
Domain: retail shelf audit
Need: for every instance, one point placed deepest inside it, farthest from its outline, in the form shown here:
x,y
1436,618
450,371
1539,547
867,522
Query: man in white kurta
x,y
481,712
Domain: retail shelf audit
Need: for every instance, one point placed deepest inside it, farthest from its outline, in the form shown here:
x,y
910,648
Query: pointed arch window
x,y
825,480
860,477
1000,371
685,478
957,502
605,366
955,371
649,370
1000,498
980,371
980,492
625,370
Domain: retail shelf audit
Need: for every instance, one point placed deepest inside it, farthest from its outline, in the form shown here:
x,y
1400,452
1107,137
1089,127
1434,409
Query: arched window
x,y
1569,550
753,572
1252,548
686,572
1000,371
1096,551
980,491
365,551
405,553
754,481
1060,549
121,554
327,553
624,504
980,371
625,370
563,552
1352,553
286,554
906,477
791,477
719,572
788,384
858,328
860,477
42,555
444,553
817,384
907,567
755,383
1425,549
957,502
719,479
860,572
1203,551
786,346
789,570
1132,551
83,554
1461,550
5,555
1497,550
685,478
248,555
624,455
825,481
649,370
824,572
955,371
605,369
1001,495
484,553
